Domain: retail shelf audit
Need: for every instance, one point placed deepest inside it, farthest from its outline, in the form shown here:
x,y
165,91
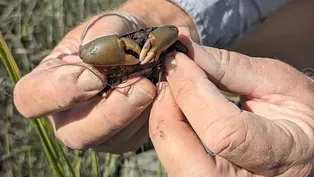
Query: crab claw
x,y
110,51
158,41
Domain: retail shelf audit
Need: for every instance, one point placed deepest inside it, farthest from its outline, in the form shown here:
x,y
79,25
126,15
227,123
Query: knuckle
x,y
226,134
185,88
72,141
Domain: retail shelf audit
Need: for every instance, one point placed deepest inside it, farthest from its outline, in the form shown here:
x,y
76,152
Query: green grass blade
x,y
15,75
48,149
67,163
29,163
77,167
9,61
95,169
159,170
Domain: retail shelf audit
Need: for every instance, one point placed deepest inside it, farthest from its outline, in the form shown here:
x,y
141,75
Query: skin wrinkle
x,y
107,116
297,171
72,139
244,142
184,87
230,146
293,142
209,127
279,165
227,148
308,170
139,130
306,119
298,119
203,63
304,143
242,148
224,56
87,144
112,146
230,68
64,119
258,80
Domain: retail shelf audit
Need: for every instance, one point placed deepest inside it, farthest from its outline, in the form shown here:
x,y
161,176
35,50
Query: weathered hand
x,y
272,136
62,87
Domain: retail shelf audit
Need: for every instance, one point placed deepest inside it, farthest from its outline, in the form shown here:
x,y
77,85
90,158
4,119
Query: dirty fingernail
x,y
88,81
170,63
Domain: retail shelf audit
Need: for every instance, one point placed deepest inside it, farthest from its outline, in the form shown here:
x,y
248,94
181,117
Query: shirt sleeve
x,y
221,23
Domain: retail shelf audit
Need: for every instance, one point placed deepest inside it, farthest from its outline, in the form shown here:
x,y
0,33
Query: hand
x,y
272,136
64,88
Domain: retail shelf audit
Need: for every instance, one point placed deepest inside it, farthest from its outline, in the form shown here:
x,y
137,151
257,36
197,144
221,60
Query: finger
x,y
55,86
254,77
97,120
129,138
241,137
134,143
176,144
108,24
194,93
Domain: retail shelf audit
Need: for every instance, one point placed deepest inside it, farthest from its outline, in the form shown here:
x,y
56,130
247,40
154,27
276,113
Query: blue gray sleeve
x,y
221,23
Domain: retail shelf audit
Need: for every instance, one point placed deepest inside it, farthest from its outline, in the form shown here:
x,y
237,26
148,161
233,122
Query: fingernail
x,y
88,81
186,31
161,89
139,96
170,63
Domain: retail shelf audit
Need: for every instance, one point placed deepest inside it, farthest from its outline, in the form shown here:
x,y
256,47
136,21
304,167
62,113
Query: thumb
x,y
244,75
110,23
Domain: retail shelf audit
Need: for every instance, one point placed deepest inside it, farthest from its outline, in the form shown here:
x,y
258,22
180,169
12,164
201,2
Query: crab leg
x,y
158,41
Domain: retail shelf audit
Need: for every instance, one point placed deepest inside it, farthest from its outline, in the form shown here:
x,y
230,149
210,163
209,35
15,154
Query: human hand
x,y
65,88
272,136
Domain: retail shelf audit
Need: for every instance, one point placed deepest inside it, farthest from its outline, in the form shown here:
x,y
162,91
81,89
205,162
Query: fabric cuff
x,y
221,23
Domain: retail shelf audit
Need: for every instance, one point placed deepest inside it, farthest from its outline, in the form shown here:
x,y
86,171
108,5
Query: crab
x,y
121,56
